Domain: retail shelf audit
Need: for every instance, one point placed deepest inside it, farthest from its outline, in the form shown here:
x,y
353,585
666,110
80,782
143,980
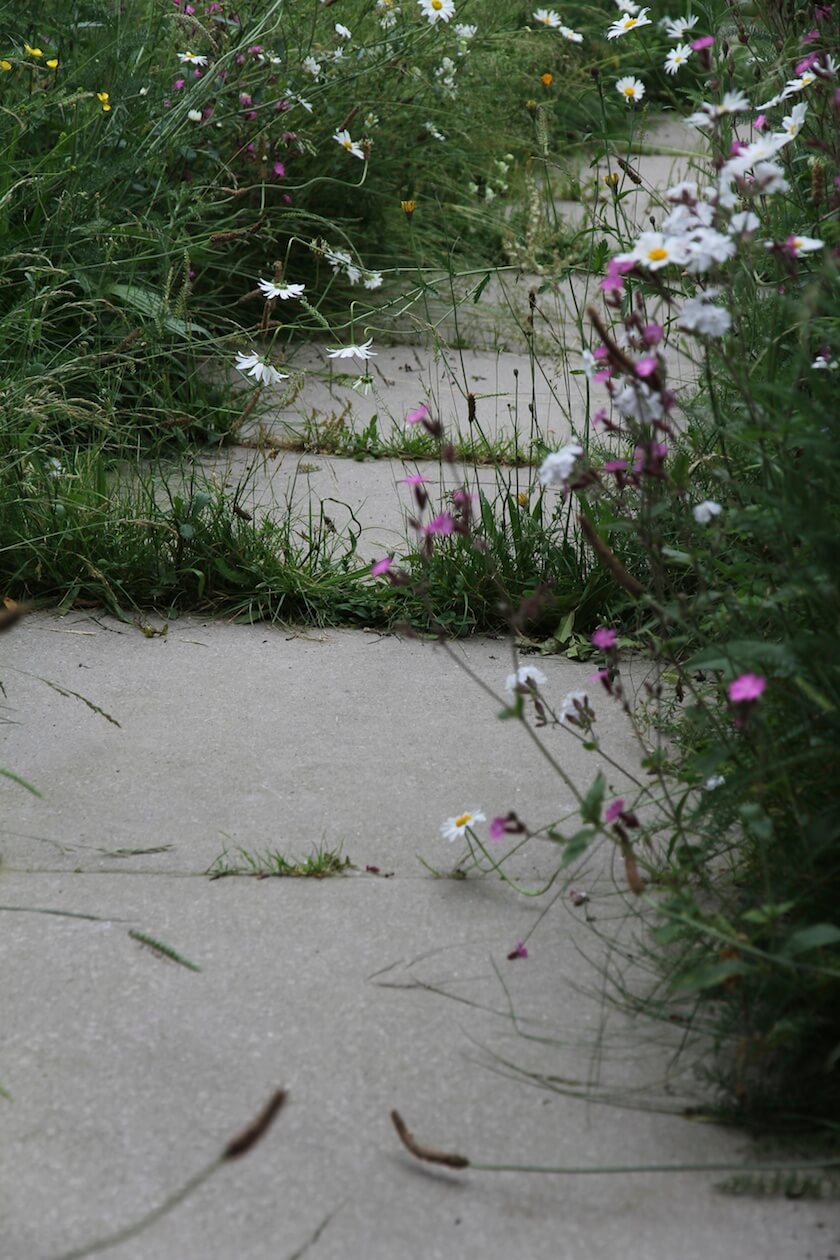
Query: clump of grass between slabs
x,y
272,864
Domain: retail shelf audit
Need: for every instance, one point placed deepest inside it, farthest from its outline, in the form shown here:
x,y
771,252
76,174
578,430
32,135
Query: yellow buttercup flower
x,y
53,63
5,65
33,52
104,98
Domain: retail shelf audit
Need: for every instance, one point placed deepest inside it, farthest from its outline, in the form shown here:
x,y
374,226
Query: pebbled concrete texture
x,y
360,993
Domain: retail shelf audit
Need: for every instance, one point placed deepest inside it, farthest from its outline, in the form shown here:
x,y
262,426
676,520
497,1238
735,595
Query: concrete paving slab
x,y
264,738
130,1073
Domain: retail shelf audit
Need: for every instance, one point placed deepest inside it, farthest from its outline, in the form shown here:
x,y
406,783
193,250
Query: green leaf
x,y
816,937
590,810
577,846
708,975
151,304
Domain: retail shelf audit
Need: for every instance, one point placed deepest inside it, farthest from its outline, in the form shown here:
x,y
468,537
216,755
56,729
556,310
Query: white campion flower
x,y
353,352
677,28
640,402
631,89
373,280
463,31
281,291
195,115
742,222
340,260
763,150
769,178
294,99
627,6
706,511
352,146
192,59
686,189
677,57
342,32
557,468
255,366
822,363
524,675
574,37
311,66
627,22
437,10
701,316
716,781
434,132
573,702
706,246
547,17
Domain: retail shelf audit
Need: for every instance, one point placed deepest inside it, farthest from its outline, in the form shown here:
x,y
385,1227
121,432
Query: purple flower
x,y
279,170
497,828
807,62
705,41
519,951
604,637
746,687
416,479
178,84
652,334
760,122
417,416
613,811
380,567
647,366
442,524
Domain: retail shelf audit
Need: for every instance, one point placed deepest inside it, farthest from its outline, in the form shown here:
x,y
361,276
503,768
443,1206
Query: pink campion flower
x,y
605,637
647,366
179,84
810,36
613,281
746,688
600,675
245,98
518,951
615,465
599,417
705,41
760,122
383,566
416,479
417,416
652,334
442,524
807,62
823,12
497,828
279,170
614,810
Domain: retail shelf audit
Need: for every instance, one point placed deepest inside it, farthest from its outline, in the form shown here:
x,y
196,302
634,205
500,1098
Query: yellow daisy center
x,y
657,254
462,819
630,91
437,4
347,144
628,23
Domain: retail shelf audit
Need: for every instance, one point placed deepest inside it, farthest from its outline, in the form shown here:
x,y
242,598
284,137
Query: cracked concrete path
x,y
377,989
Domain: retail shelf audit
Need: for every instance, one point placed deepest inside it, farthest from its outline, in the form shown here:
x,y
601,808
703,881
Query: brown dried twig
x,y
426,1153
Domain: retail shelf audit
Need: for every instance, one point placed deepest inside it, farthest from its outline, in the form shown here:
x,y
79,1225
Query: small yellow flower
x,y
104,98
5,65
53,63
531,107
522,499
408,208
33,52
547,79
611,180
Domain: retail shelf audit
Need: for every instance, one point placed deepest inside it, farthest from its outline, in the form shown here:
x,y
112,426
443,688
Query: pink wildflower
x,y
760,122
604,637
519,951
279,170
416,479
417,416
705,41
178,84
497,828
442,524
613,811
746,687
652,333
647,366
380,567
810,36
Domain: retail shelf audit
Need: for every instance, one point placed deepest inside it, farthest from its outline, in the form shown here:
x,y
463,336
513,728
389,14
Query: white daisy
x,y
676,28
547,17
574,37
654,250
352,146
677,57
353,352
373,280
437,10
311,66
524,675
456,828
628,23
631,89
698,315
282,291
342,32
258,368
192,59
799,245
792,122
